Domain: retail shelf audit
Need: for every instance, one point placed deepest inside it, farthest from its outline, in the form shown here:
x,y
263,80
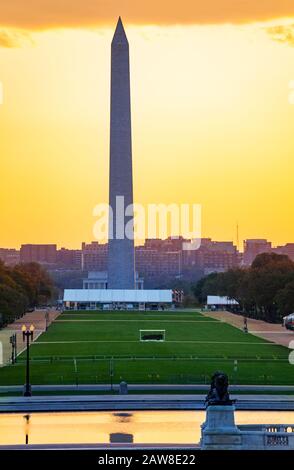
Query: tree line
x,y
22,287
264,291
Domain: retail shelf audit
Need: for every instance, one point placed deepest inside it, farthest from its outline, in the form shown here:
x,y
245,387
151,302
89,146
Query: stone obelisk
x,y
121,258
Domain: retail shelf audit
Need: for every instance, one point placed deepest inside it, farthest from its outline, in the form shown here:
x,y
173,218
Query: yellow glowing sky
x,y
212,124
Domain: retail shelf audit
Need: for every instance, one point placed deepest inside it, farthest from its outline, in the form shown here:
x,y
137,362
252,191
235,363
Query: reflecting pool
x,y
139,427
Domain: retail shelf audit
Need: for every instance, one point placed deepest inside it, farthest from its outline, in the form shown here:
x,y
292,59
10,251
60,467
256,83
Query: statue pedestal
x,y
219,431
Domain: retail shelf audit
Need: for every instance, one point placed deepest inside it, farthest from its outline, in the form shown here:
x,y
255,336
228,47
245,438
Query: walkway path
x,y
271,332
36,318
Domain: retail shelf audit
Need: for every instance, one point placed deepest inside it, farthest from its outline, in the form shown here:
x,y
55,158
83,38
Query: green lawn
x,y
86,347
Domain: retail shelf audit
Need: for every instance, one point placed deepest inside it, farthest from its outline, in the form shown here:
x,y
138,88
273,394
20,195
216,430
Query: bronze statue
x,y
218,393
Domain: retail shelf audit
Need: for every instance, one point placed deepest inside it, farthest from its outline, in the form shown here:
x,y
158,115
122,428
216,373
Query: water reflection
x,y
140,427
120,437
123,417
27,428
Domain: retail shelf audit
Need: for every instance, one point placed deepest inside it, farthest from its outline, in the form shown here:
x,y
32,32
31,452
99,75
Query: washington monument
x,y
121,258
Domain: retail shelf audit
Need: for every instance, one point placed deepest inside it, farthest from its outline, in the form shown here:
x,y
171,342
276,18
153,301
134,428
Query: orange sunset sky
x,y
211,112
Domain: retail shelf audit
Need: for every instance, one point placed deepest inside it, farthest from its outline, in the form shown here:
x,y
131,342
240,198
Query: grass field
x,y
99,347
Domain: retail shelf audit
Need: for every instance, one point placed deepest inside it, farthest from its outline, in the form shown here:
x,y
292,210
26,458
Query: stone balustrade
x,y
288,428
219,432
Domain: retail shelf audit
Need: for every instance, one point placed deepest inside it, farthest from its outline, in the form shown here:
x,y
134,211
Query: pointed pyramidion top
x,y
120,36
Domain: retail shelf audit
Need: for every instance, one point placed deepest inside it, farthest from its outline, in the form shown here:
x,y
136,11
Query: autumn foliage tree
x,y
264,291
22,287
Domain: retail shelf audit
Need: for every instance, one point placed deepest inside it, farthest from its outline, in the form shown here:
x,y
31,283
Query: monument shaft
x,y
121,263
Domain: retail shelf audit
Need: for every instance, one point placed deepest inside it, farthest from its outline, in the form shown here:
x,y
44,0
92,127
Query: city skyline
x,y
157,261
142,243
205,131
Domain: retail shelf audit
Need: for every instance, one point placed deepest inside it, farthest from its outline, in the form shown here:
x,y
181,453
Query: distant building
x,y
9,256
43,254
254,247
152,263
213,256
94,256
168,244
69,259
99,280
287,250
95,280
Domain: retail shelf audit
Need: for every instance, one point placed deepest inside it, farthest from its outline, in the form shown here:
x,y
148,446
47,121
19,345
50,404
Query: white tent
x,y
117,295
219,300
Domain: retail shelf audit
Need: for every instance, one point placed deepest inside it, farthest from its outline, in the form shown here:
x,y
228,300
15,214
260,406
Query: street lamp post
x,y
27,335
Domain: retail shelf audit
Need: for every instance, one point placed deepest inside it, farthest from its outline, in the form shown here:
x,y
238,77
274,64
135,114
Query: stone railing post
x,y
219,432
